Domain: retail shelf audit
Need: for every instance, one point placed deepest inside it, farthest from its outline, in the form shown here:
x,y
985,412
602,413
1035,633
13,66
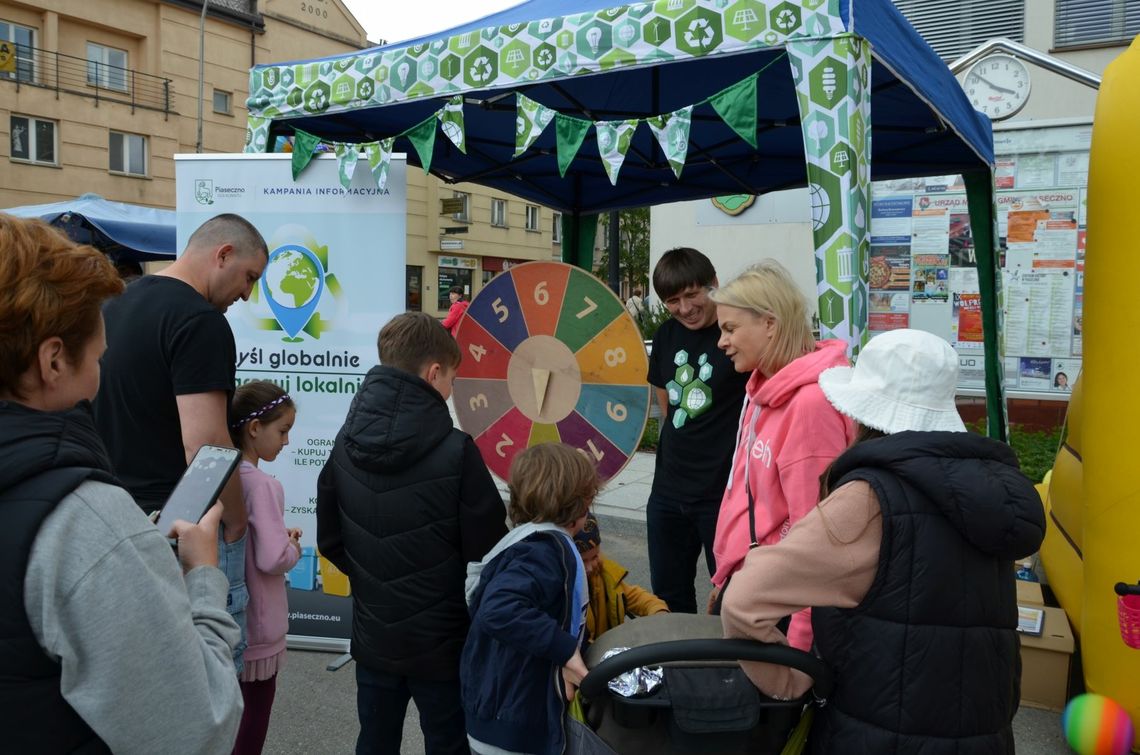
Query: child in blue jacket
x,y
527,600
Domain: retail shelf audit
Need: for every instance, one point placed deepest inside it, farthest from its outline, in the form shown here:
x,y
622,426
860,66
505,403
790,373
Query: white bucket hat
x,y
904,380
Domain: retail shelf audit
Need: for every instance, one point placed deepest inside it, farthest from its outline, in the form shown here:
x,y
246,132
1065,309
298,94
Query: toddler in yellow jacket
x,y
611,599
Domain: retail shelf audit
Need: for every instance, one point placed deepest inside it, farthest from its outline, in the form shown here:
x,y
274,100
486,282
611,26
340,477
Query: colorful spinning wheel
x,y
550,354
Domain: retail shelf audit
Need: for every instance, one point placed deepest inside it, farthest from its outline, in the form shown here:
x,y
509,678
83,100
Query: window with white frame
x,y
33,140
558,228
223,102
465,213
532,217
128,153
106,67
499,212
1095,22
21,42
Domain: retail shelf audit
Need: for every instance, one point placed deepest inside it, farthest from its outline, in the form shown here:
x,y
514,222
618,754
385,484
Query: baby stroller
x,y
704,705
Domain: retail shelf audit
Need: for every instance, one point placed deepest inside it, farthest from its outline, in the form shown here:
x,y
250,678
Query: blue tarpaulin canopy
x,y
587,106
923,123
123,231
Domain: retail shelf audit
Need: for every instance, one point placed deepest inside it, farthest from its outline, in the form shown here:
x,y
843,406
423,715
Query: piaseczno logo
x,y
204,191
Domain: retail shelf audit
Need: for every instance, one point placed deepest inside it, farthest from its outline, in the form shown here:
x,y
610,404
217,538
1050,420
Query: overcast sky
x,y
397,20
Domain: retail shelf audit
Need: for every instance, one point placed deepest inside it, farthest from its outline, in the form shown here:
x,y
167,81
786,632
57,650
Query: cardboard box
x,y
1045,663
1029,593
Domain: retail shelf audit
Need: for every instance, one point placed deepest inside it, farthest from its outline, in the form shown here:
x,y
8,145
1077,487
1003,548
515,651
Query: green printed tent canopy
x,y
586,106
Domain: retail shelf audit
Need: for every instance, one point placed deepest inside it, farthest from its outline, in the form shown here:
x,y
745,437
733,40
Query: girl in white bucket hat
x,y
907,565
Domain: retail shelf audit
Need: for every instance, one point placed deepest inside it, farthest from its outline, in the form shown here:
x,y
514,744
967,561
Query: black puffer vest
x,y
47,456
929,661
396,465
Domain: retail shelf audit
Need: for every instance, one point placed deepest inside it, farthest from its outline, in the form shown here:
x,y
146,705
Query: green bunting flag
x,y
672,132
379,160
303,145
451,121
736,105
614,138
422,137
346,157
531,120
570,132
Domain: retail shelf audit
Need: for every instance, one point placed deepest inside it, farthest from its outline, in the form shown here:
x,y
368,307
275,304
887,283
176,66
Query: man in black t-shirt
x,y
700,396
168,372
168,376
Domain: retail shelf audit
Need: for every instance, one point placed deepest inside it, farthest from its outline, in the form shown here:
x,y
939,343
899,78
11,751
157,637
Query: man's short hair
x,y
413,341
679,269
228,228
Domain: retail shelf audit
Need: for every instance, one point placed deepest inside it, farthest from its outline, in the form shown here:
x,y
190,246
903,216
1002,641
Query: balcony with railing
x,y
88,78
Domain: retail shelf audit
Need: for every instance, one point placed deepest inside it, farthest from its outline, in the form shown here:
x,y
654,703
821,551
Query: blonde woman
x,y
788,432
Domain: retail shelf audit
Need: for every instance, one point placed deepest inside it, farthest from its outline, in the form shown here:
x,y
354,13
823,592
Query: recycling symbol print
x,y
699,33
480,69
786,20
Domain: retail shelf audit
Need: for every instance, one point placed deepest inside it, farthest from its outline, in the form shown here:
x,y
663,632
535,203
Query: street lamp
x,y
201,67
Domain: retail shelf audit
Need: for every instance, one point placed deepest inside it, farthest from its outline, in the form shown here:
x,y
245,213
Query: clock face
x,y
998,86
551,354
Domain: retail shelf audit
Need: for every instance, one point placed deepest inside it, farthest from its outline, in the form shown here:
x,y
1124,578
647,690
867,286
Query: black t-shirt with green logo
x,y
694,454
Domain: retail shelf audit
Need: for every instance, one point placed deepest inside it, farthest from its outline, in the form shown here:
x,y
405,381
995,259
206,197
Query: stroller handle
x,y
594,684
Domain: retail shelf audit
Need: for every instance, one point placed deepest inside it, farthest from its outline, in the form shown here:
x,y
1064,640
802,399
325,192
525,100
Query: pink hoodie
x,y
268,555
794,433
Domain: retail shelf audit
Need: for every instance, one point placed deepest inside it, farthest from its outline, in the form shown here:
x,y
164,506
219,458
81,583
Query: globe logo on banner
x,y
293,282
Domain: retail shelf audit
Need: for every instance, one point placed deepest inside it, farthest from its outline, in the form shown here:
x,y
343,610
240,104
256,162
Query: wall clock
x,y
551,354
998,86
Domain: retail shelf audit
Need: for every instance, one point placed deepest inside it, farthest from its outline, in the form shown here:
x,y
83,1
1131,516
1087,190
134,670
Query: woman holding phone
x,y
107,640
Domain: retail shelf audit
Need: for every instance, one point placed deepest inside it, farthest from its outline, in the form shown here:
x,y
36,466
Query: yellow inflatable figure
x,y
1093,501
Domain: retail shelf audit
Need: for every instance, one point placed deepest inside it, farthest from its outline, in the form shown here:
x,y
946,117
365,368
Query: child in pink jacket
x,y
788,433
263,414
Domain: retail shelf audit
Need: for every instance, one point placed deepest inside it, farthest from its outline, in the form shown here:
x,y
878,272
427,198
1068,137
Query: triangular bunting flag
x,y
346,157
614,138
451,121
570,133
379,160
422,138
737,106
672,132
303,145
531,120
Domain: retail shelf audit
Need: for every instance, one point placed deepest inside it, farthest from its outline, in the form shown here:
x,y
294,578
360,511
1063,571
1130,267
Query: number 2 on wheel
x,y
506,442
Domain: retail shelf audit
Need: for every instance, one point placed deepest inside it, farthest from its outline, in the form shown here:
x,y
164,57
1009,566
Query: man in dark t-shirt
x,y
700,396
168,375
168,372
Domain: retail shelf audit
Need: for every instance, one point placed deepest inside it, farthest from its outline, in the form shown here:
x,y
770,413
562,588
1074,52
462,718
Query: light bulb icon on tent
x,y
402,72
829,83
594,37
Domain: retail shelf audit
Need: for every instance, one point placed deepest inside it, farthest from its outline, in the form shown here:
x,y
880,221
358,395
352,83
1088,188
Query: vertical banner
x,y
832,78
335,276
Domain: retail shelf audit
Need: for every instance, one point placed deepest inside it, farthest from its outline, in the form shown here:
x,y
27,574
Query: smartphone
x,y
200,486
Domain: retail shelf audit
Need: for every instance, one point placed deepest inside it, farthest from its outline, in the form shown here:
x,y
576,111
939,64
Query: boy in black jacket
x,y
403,503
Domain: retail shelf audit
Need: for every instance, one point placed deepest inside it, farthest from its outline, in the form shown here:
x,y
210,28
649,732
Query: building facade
x,y
99,95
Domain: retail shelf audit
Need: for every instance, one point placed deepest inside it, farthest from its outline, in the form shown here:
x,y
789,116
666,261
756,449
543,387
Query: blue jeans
x,y
382,704
231,560
677,532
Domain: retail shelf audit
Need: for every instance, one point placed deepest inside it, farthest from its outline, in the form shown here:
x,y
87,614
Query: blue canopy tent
x,y
122,231
652,102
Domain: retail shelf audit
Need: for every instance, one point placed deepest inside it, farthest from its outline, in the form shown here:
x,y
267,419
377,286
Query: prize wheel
x,y
551,354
